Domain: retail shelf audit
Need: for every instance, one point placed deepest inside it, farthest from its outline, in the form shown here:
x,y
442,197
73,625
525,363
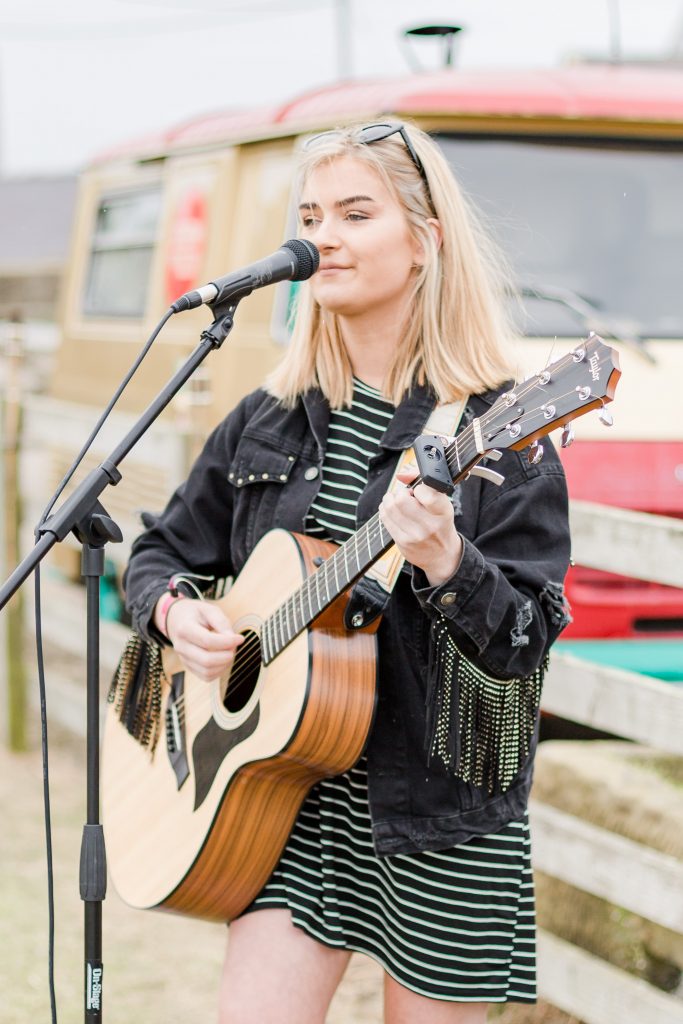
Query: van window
x,y
121,254
597,222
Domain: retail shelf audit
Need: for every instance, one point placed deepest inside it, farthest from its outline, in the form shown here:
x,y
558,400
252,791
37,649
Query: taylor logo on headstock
x,y
594,363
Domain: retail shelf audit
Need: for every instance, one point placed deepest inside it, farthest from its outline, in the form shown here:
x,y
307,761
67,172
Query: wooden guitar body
x,y
198,826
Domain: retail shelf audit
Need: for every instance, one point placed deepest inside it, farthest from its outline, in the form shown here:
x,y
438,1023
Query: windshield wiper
x,y
592,319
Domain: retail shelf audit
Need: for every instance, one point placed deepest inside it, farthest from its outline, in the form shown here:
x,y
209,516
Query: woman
x,y
419,855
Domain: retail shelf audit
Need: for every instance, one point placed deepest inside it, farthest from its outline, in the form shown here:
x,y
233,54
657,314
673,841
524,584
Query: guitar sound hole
x,y
244,673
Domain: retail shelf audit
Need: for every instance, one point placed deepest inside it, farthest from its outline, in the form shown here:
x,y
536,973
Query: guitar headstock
x,y
584,379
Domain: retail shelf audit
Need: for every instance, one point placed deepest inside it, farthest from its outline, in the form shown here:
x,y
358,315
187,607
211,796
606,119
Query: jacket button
x,y
311,473
448,598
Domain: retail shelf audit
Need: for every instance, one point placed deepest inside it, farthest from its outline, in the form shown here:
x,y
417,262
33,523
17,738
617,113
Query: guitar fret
x,y
265,641
290,632
317,589
327,582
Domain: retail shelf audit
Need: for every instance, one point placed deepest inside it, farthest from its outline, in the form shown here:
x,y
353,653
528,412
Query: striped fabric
x,y
352,439
456,924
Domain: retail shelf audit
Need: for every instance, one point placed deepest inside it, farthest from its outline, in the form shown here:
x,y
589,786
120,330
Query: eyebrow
x,y
340,202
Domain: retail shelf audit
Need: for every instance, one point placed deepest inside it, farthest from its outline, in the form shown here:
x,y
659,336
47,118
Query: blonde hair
x,y
458,332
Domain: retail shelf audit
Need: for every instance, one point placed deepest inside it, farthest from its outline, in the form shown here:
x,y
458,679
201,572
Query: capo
x,y
432,463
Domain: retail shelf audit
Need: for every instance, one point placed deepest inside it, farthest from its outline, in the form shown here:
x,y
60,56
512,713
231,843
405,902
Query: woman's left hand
x,y
421,523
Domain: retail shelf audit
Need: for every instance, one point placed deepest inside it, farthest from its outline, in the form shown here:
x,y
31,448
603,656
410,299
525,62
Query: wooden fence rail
x,y
637,544
591,859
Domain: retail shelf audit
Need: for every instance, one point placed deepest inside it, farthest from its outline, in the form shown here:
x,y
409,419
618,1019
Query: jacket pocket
x,y
257,474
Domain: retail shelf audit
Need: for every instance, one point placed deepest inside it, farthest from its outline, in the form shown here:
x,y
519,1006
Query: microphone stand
x,y
83,515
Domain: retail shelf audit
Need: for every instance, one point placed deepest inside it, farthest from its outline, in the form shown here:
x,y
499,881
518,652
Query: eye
x,y
308,221
355,215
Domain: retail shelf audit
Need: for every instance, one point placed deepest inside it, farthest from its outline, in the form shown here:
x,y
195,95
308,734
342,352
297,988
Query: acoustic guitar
x,y
197,825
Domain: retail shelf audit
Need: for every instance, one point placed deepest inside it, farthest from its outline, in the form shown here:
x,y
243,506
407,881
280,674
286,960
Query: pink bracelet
x,y
165,606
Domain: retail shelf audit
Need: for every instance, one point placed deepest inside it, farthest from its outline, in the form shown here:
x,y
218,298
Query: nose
x,y
326,236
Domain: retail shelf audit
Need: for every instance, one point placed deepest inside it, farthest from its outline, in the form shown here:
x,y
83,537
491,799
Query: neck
x,y
372,340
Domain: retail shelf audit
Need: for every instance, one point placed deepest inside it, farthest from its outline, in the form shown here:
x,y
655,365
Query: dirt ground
x,y
158,968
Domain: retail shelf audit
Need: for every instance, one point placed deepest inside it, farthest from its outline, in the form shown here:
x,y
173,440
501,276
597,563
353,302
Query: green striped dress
x,y
456,924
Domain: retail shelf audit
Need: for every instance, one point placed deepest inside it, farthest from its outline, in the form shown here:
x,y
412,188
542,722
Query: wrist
x,y
447,566
161,612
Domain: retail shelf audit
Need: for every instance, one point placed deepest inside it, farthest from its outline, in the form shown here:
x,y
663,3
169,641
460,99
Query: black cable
x,y
41,665
46,800
98,426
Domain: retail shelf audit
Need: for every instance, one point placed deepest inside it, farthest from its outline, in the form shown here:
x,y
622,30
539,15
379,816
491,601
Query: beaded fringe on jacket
x,y
480,727
135,690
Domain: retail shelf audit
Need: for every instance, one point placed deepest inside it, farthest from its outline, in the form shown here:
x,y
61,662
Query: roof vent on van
x,y
446,33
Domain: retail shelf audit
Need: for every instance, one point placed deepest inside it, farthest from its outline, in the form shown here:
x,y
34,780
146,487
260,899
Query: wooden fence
x,y
625,873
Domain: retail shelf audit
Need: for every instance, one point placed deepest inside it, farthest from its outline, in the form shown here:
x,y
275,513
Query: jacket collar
x,y
407,423
409,419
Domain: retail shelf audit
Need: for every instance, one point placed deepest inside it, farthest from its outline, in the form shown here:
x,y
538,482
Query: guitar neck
x,y
351,560
319,590
577,382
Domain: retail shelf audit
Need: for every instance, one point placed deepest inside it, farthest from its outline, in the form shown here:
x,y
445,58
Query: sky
x,y
80,76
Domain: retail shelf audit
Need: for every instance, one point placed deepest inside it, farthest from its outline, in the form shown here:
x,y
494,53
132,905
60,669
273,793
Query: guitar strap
x,y
370,595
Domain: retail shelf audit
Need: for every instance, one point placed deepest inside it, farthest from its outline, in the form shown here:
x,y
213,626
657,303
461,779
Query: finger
x,y
408,473
202,657
213,617
210,640
205,670
432,500
204,625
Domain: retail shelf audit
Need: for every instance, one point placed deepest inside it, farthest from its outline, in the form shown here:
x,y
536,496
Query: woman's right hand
x,y
202,637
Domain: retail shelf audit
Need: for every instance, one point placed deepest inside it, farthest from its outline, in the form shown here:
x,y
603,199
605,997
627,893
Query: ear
x,y
437,234
435,228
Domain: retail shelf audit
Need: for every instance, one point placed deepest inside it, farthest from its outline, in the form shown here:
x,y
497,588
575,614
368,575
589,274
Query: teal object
x,y
661,658
111,605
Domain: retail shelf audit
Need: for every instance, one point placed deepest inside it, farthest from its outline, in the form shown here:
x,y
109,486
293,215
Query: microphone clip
x,y
224,322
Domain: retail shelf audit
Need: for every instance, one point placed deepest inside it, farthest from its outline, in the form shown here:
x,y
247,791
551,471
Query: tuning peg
x,y
567,435
535,454
487,474
605,416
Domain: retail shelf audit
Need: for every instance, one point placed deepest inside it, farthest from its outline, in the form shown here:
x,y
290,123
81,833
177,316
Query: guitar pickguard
x,y
210,748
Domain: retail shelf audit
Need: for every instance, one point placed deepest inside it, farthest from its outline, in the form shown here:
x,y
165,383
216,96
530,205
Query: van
x,y
578,170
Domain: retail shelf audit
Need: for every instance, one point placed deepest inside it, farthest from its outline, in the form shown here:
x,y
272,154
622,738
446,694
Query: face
x,y
366,252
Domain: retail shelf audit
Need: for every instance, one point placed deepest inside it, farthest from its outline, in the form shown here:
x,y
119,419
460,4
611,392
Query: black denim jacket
x,y
502,609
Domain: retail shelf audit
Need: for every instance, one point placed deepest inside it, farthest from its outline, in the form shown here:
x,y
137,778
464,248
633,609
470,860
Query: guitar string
x,y
374,530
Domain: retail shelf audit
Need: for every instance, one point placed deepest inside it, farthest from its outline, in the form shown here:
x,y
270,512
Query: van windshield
x,y
602,220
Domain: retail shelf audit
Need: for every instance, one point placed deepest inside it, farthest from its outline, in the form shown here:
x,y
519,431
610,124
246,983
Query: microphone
x,y
295,260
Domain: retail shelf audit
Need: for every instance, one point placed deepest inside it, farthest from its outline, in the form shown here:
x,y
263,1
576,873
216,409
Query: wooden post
x,y
10,421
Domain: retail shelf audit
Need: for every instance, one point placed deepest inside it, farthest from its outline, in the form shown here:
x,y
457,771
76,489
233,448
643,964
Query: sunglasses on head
x,y
370,133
